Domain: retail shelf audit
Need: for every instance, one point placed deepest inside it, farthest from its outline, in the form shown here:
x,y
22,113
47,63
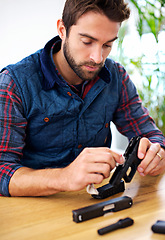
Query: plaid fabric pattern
x,y
131,116
12,130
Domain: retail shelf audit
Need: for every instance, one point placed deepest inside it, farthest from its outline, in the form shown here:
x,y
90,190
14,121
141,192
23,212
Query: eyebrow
x,y
95,39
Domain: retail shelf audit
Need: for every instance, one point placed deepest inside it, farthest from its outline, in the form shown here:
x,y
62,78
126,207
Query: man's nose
x,y
97,55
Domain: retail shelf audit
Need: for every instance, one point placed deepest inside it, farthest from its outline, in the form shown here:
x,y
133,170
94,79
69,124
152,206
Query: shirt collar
x,y
51,74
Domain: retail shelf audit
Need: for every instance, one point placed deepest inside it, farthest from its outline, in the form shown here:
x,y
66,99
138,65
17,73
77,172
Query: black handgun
x,y
125,171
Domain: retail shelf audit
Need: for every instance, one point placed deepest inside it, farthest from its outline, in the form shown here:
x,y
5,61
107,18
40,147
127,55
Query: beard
x,y
85,75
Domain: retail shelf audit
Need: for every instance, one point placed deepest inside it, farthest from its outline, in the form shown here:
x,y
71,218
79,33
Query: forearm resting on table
x,y
92,165
30,182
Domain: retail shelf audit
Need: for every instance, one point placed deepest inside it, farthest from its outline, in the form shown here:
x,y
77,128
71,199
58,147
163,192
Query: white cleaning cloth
x,y
92,190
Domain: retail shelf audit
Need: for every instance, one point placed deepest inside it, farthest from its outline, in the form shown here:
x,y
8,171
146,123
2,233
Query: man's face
x,y
86,70
89,44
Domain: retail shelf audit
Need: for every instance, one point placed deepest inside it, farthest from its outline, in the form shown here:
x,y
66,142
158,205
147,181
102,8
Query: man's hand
x,y
91,166
153,156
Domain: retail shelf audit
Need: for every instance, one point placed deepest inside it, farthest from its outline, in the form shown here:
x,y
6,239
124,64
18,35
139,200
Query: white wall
x,y
25,27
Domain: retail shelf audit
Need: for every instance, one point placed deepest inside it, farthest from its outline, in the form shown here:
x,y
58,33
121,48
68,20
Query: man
x,y
57,104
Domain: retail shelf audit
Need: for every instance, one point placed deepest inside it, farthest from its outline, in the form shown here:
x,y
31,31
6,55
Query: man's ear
x,y
61,29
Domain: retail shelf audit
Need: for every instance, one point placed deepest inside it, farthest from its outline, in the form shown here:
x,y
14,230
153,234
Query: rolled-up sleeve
x,y
12,130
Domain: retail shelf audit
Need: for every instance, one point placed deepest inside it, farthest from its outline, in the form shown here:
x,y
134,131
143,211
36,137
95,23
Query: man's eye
x,y
87,43
107,46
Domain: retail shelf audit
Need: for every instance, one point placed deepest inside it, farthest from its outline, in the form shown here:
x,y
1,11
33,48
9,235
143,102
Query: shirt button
x,y
107,125
79,146
69,94
46,119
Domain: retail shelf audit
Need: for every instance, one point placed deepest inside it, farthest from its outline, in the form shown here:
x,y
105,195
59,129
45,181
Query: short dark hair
x,y
115,10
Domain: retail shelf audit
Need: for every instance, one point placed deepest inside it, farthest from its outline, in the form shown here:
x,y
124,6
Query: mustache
x,y
92,64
